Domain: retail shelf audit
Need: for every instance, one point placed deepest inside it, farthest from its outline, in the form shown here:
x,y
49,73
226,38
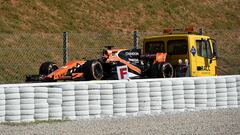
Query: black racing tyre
x,y
93,70
47,68
162,70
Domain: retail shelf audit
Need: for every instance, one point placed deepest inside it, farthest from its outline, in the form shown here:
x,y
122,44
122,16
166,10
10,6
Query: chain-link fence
x,y
22,53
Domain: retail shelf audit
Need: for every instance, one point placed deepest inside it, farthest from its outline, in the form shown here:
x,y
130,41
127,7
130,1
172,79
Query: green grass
x,y
31,30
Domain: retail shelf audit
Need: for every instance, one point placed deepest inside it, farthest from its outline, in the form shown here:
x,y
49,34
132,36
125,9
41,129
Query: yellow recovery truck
x,y
189,52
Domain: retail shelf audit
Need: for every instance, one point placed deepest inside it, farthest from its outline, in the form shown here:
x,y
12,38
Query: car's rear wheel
x,y
162,70
93,70
47,68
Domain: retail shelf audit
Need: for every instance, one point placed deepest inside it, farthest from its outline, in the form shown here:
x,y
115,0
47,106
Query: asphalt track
x,y
207,122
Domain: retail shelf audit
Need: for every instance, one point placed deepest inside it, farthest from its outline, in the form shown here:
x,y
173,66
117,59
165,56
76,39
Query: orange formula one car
x,y
105,68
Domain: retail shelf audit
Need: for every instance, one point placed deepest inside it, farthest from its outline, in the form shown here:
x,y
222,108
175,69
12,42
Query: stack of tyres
x,y
94,100
144,97
232,95
167,96
238,90
55,103
221,93
106,93
189,94
132,107
119,99
2,105
68,102
81,101
211,94
200,94
178,95
12,107
41,105
155,96
27,103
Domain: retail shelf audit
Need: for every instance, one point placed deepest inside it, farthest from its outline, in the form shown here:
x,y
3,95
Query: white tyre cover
x,y
81,87
221,99
178,92
188,81
13,118
106,97
156,103
221,94
143,85
82,113
94,87
132,109
106,86
155,84
131,84
94,112
132,95
2,113
189,87
27,118
94,102
107,107
107,112
232,89
119,85
55,116
156,98
55,90
42,116
106,102
211,91
179,101
2,97
211,96
177,82
144,99
94,97
167,106
41,95
41,111
119,106
12,107
189,96
13,102
55,101
68,108
68,93
132,105
26,95
231,80
2,91
131,90
167,93
81,92
2,107
232,94
93,92
211,104
12,96
201,91
179,106
11,90
177,87
167,98
106,92
132,100
27,106
67,87
166,83
40,90
143,95
143,90
27,112
68,98
229,103
221,103
155,108
202,86
26,89
155,94
155,89
200,96
13,112
117,96
166,88
119,110
41,106
232,98
178,96
94,107
144,105
221,85
200,81
81,108
201,101
69,103
38,101
55,96
81,98
119,91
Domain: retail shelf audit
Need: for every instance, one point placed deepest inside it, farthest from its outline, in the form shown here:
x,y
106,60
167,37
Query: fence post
x,y
65,48
135,38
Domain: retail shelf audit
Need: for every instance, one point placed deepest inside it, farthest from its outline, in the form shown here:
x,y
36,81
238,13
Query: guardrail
x,y
78,100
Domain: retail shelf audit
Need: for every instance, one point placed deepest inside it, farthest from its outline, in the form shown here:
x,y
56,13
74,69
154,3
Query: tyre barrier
x,y
94,99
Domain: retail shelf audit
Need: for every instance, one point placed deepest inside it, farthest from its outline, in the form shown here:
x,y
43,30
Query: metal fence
x,y
21,54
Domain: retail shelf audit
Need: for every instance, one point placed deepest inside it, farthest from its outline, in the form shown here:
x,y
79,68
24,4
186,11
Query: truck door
x,y
204,65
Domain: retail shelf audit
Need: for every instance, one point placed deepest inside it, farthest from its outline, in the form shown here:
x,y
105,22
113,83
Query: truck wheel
x,y
166,70
47,68
93,70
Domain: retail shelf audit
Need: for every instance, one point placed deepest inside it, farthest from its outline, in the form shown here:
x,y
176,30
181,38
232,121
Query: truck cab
x,y
189,52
